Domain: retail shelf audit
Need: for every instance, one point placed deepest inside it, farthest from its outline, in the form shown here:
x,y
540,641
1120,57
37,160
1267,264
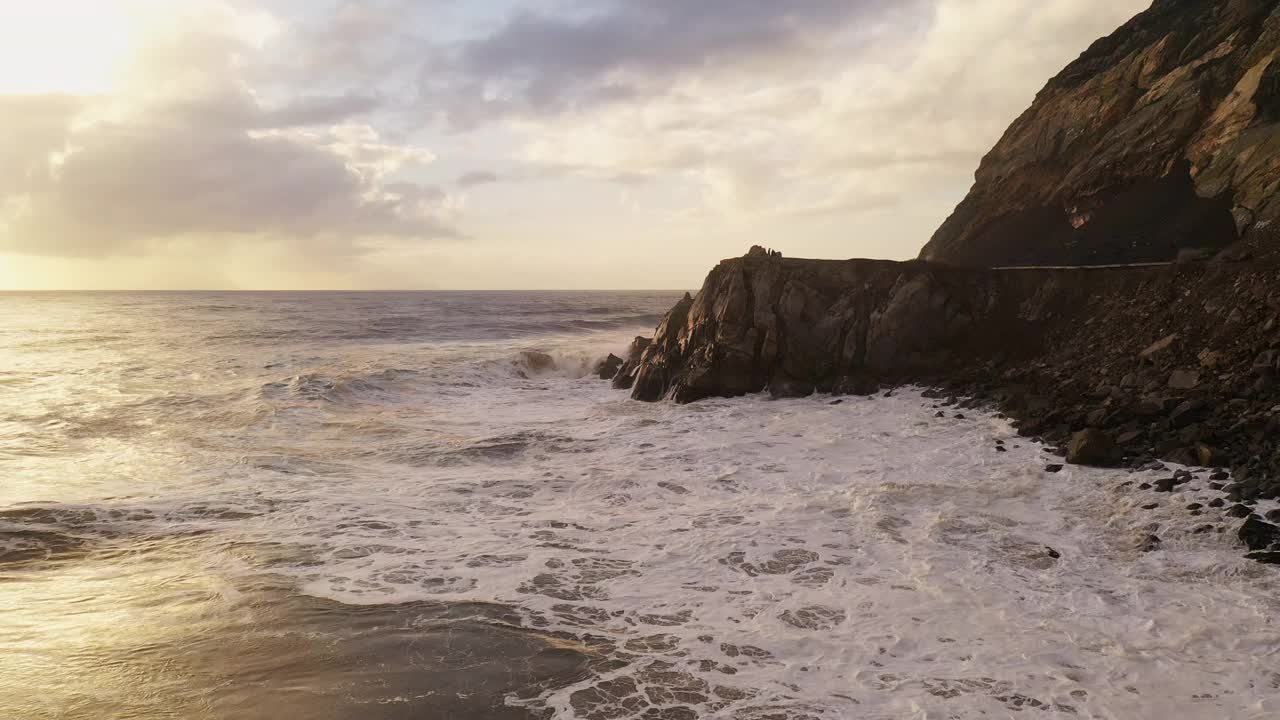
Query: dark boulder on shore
x,y
608,368
625,378
1093,447
1258,535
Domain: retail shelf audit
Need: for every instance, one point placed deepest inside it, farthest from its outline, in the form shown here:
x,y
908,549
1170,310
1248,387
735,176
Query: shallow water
x,y
369,506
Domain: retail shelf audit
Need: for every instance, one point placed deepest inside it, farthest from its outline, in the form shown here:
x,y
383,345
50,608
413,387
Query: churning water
x,y
372,506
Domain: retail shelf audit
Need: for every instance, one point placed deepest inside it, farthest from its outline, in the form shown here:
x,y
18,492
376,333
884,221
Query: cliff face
x,y
1164,135
1178,361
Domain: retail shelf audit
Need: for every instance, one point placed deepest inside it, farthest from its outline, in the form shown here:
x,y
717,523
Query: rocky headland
x,y
1162,137
1111,283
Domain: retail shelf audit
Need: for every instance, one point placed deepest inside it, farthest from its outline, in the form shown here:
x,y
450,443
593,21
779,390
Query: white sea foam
x,y
741,559
789,559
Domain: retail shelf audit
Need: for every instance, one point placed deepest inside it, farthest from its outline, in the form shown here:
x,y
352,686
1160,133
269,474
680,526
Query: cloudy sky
x,y
497,143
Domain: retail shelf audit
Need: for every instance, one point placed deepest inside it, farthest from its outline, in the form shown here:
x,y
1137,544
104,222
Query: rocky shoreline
x,y
1121,367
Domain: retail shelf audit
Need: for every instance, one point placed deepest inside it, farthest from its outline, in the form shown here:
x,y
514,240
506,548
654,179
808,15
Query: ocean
x,y
347,506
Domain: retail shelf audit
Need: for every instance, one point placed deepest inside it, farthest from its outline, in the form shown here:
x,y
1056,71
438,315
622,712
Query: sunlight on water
x,y
243,507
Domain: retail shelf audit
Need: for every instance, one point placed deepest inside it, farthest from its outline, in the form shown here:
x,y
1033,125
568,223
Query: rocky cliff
x,y
1163,136
1176,362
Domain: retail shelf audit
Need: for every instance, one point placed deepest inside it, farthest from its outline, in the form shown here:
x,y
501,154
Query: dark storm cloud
x,y
618,51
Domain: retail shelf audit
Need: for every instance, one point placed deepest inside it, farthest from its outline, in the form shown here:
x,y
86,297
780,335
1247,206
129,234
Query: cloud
x,y
773,109
621,51
472,179
32,127
190,151
299,131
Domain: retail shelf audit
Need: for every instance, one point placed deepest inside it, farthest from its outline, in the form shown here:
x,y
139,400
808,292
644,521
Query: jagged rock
x,y
608,368
1161,137
1210,359
1129,438
1184,380
1092,447
653,378
1265,362
1239,511
1258,535
626,376
1158,347
1207,456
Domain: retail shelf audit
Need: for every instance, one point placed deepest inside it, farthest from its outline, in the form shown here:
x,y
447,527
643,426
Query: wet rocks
x,y
1258,535
608,368
1239,511
1053,469
1092,447
625,378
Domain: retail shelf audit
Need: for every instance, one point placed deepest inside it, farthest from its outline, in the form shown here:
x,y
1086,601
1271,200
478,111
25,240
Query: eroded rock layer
x,y
1163,136
1176,362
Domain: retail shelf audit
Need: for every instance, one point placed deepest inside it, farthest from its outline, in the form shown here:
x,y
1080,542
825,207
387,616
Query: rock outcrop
x,y
1178,362
1163,136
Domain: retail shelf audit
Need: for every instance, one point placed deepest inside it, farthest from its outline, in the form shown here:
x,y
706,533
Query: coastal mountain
x,y
1161,137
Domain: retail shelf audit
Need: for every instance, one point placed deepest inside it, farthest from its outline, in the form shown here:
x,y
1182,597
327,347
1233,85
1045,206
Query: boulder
x,y
1259,535
1158,347
626,375
1092,447
1239,511
1207,455
1187,413
1184,380
608,368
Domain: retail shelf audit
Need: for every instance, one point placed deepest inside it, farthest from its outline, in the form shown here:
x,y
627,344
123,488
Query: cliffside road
x,y
1083,267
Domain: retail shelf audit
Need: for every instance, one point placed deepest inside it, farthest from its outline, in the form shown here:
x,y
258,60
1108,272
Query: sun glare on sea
x,y
75,47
